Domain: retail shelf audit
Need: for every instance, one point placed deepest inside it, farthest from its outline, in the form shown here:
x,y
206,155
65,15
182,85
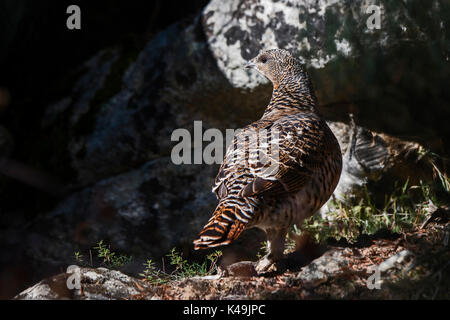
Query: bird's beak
x,y
250,65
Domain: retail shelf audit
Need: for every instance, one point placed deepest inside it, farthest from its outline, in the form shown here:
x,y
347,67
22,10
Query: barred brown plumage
x,y
308,166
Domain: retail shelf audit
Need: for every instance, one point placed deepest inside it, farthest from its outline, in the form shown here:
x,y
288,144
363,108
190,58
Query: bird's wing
x,y
235,172
294,153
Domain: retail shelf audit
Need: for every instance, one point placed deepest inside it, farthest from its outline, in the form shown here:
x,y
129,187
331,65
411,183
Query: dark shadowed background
x,y
36,52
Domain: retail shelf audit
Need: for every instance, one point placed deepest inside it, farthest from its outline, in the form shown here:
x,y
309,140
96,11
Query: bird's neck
x,y
292,95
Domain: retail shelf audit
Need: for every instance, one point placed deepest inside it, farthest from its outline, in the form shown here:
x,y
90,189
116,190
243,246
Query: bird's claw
x,y
267,265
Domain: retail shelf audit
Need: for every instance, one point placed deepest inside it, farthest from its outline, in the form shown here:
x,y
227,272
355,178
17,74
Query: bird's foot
x,y
268,265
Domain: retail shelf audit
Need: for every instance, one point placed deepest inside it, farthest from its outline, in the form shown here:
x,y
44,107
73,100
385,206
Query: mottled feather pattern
x,y
308,167
229,220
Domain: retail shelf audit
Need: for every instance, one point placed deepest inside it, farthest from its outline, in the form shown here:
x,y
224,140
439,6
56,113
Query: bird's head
x,y
276,65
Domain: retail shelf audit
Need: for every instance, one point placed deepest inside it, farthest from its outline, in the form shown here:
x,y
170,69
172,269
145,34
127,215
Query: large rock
x,y
122,110
391,77
94,284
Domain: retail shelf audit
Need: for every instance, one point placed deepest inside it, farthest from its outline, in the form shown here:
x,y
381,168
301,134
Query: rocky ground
x,y
415,265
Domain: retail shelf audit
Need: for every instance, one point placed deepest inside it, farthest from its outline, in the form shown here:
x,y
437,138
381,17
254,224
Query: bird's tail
x,y
227,223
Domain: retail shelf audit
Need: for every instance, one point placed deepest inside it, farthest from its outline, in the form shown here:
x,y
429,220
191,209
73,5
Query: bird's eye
x,y
263,59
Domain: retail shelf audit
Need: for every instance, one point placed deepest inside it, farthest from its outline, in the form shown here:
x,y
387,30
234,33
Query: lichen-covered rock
x,y
91,284
329,265
239,30
385,75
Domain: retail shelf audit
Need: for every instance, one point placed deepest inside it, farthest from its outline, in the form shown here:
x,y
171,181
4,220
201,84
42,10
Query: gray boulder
x,y
91,284
390,77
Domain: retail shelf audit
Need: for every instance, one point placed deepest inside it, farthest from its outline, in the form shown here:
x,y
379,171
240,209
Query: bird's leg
x,y
276,239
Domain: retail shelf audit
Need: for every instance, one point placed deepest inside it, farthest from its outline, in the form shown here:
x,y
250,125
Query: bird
x,y
307,167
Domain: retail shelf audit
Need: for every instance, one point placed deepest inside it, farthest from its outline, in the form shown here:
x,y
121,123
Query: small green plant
x,y
432,159
152,274
263,250
403,210
183,268
78,257
289,245
290,242
110,258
